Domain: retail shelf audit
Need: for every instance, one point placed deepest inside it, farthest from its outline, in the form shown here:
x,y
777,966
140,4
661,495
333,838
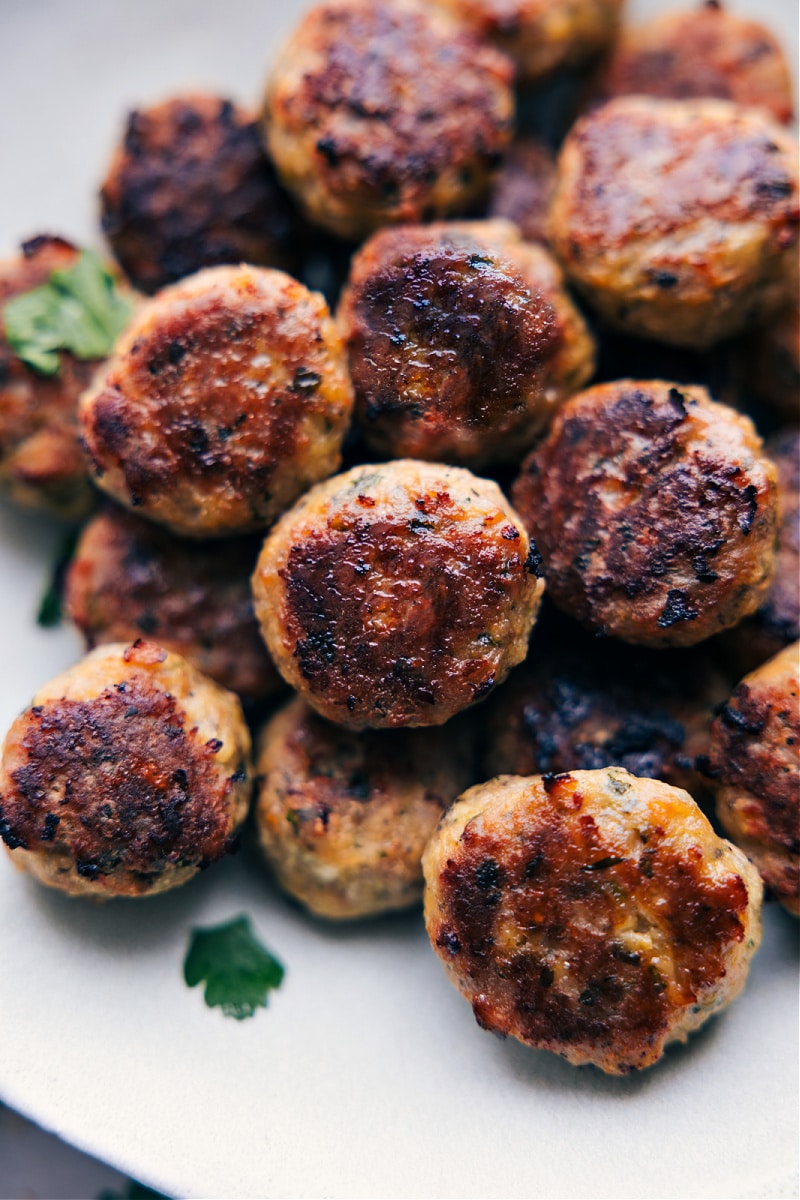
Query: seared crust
x,y
756,756
128,774
678,219
343,817
129,578
397,594
381,111
227,396
523,188
41,463
592,914
462,341
188,187
654,510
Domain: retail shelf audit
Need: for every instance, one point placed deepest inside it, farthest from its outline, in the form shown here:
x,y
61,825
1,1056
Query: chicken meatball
x,y
756,759
225,399
677,219
128,774
593,914
706,51
41,463
655,512
130,578
397,594
343,817
523,188
383,111
191,187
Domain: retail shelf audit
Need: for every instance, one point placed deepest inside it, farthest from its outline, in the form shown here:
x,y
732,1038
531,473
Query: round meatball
x,y
397,594
41,463
128,774
542,35
343,817
756,759
655,512
191,187
130,578
592,913
677,219
225,399
462,342
523,188
706,51
381,111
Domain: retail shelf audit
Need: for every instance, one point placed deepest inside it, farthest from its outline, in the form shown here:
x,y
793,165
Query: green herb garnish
x,y
79,309
133,1191
50,605
238,971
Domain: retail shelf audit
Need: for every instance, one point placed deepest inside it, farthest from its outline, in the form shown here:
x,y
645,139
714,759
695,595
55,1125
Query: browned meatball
x,y
381,111
130,578
706,51
227,396
756,757
41,463
191,187
768,362
397,594
129,773
523,188
593,914
677,219
655,512
462,341
343,817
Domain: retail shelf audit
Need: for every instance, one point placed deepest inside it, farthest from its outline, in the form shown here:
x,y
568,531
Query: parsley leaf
x,y
238,971
50,605
79,309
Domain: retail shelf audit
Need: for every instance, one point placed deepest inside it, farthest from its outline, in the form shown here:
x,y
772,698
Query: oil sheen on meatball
x,y
128,774
756,757
189,187
227,396
397,594
383,111
41,464
462,342
677,219
593,914
523,188
130,578
343,817
654,510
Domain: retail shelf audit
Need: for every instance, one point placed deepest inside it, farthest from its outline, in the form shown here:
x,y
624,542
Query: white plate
x,y
367,1075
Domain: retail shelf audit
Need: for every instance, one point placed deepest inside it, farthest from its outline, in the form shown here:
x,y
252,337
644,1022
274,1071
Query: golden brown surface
x,y
756,755
226,398
130,578
343,817
592,914
129,773
523,188
397,594
382,111
678,219
654,510
462,341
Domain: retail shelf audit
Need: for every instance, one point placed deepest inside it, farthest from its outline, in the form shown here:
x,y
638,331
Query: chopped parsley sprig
x,y
239,972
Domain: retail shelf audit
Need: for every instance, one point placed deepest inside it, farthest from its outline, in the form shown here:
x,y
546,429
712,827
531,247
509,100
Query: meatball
x,y
343,817
397,594
130,578
462,342
523,188
756,758
768,362
654,510
542,35
381,111
225,399
592,913
191,187
41,463
707,51
677,219
128,774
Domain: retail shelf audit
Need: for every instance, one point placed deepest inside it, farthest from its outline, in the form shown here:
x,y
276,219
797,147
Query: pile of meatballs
x,y
527,434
